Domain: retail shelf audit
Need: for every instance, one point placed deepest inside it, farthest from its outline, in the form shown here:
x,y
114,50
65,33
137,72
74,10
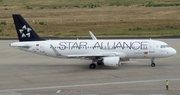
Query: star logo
x,y
25,32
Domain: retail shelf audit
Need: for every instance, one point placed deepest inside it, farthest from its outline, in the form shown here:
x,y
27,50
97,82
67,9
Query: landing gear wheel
x,y
153,65
152,62
92,66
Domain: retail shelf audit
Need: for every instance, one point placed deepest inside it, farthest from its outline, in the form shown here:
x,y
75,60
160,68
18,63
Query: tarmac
x,y
24,73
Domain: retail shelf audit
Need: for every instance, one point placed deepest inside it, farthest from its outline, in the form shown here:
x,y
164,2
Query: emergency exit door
x,y
151,47
42,47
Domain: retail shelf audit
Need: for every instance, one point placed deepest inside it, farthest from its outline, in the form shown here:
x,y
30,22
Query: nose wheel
x,y
152,62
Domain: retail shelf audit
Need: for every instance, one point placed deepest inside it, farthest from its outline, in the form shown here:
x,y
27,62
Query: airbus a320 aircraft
x,y
101,52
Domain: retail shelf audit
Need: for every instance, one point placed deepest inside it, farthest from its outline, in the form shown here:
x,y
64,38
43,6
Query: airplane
x,y
108,52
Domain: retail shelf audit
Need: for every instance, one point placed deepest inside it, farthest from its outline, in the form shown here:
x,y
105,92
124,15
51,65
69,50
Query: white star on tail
x,y
25,31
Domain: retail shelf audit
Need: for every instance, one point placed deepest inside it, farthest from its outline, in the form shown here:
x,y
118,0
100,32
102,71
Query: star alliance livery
x,y
101,52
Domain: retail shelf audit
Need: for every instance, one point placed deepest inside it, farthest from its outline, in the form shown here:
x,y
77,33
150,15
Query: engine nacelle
x,y
111,61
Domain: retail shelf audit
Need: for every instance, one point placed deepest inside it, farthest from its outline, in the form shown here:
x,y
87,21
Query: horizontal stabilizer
x,y
19,45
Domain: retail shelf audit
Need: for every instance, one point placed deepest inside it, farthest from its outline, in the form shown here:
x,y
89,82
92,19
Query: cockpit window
x,y
164,46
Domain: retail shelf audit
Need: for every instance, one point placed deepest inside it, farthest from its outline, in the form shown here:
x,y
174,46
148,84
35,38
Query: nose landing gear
x,y
152,62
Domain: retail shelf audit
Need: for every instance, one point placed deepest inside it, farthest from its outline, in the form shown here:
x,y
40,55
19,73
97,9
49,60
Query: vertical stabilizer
x,y
24,30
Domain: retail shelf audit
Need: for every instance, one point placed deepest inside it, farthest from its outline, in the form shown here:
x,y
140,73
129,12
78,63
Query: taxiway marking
x,y
95,84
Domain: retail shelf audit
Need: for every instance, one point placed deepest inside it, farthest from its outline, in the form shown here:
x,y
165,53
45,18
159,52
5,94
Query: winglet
x,y
92,36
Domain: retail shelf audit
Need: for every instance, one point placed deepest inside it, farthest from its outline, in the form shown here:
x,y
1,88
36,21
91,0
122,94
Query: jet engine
x,y
111,61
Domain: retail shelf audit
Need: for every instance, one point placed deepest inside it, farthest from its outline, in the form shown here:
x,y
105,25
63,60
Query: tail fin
x,y
24,30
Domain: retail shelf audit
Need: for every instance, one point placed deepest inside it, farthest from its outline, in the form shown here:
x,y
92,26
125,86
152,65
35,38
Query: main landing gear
x,y
98,61
152,62
92,65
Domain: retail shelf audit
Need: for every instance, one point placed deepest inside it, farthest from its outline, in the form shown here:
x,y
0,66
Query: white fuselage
x,y
75,48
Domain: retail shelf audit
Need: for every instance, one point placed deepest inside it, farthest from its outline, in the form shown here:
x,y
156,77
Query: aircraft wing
x,y
103,54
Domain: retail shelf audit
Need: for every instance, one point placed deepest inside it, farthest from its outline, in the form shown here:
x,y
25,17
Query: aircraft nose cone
x,y
173,51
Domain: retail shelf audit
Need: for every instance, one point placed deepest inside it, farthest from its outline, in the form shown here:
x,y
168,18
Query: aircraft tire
x,y
92,66
153,65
